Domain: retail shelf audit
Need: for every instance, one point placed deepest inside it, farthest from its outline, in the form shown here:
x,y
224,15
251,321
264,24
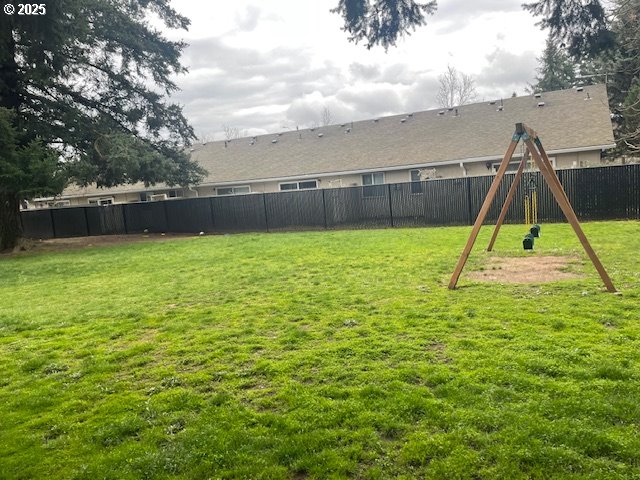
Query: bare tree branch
x,y
326,117
456,88
230,133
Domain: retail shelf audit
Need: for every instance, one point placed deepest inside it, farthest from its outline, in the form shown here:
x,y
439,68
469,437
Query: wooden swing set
x,y
533,147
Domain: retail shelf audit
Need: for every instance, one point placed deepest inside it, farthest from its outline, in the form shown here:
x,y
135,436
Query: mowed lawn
x,y
319,355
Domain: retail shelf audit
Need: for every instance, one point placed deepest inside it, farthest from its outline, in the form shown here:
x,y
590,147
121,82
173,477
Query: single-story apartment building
x,y
469,140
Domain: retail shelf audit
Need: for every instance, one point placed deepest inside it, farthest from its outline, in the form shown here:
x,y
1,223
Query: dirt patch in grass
x,y
63,244
537,269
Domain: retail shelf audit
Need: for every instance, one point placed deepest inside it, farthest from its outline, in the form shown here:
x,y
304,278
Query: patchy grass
x,y
319,355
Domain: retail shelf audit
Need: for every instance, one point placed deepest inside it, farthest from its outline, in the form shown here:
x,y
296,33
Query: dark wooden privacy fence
x,y
601,193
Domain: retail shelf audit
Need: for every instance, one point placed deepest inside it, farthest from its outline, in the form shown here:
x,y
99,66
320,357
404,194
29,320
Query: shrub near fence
x,y
603,193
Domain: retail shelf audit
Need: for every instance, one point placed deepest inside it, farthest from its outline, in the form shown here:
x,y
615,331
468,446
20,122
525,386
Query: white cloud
x,y
262,67
248,20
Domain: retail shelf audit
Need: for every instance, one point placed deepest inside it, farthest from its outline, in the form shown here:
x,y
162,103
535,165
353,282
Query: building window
x,y
373,184
145,196
234,190
101,201
308,185
511,168
373,178
175,193
302,185
416,181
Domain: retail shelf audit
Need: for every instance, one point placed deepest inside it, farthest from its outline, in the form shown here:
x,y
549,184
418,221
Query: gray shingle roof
x,y
569,119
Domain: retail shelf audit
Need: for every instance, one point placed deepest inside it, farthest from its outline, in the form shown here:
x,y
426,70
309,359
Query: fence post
x,y
324,210
266,218
390,205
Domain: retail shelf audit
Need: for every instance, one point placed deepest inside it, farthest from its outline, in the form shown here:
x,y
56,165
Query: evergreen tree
x,y
382,22
85,86
624,65
580,26
607,46
556,71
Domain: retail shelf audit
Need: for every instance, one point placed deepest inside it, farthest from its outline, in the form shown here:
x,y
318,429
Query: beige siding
x,y
472,169
477,169
578,160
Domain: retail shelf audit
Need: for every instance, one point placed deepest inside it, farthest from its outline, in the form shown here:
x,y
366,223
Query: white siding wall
x,y
563,161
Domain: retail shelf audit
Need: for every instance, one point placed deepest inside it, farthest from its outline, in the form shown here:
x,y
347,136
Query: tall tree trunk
x,y
10,226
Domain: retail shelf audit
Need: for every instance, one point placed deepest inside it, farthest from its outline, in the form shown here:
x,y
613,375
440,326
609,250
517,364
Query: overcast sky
x,y
271,65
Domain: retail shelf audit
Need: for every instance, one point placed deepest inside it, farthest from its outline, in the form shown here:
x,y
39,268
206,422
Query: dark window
x,y
373,178
308,184
373,184
511,168
416,182
234,190
302,185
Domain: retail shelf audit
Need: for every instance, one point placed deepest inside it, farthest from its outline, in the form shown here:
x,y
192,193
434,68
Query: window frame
x,y
372,174
97,201
233,190
297,185
495,166
416,185
373,190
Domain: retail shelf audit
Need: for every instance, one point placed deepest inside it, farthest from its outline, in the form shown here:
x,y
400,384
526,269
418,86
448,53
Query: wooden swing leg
x,y
507,202
483,212
561,197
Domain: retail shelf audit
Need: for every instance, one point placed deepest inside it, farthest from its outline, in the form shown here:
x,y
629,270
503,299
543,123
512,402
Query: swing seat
x,y
535,231
527,243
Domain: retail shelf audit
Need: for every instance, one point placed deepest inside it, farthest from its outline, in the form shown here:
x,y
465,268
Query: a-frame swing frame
x,y
537,152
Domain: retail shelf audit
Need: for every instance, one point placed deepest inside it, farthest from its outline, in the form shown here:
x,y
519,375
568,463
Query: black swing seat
x,y
535,231
527,243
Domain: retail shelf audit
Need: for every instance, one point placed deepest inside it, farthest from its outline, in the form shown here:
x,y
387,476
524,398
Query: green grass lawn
x,y
319,355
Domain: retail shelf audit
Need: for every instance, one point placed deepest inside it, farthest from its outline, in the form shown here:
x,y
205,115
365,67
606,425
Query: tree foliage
x,y
606,46
90,70
90,79
580,26
382,22
29,167
556,70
